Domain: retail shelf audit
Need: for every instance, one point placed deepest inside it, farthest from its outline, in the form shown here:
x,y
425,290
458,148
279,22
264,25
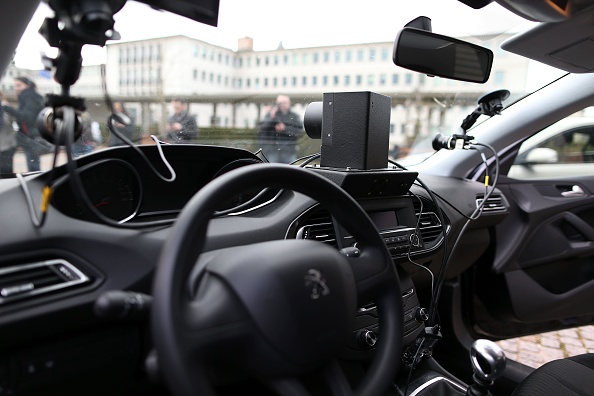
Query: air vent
x,y
23,281
318,227
495,203
429,224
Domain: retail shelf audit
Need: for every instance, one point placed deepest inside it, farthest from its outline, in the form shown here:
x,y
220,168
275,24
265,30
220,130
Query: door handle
x,y
576,191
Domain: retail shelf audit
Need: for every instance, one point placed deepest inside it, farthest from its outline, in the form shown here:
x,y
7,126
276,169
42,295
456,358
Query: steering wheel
x,y
273,310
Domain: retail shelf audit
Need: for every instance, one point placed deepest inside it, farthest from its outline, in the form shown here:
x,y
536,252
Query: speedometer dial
x,y
112,186
113,189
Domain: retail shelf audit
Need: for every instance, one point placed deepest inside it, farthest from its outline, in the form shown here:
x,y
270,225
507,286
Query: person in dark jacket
x,y
279,132
125,129
181,126
30,104
8,143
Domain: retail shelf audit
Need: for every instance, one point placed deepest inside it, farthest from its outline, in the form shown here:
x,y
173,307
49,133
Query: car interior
x,y
192,269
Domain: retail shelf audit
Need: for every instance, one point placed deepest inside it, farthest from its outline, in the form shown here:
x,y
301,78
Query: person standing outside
x,y
181,126
279,132
30,104
8,142
125,129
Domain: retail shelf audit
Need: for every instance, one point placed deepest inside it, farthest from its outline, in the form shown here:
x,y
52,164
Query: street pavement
x,y
536,350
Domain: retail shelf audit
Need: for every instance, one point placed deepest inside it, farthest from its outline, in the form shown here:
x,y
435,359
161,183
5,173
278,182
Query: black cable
x,y
410,260
47,190
443,265
412,366
451,205
441,273
113,129
477,212
307,159
67,125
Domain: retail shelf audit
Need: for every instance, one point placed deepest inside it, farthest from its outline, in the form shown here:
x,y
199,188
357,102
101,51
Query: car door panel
x,y
544,257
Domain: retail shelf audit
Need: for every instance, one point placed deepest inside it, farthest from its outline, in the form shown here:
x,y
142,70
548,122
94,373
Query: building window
x,y
275,60
305,59
195,51
336,80
258,61
219,78
314,80
326,57
395,78
248,82
370,79
347,80
360,55
316,57
285,59
372,54
294,81
337,56
195,74
284,81
304,81
257,83
266,61
274,82
384,54
211,77
382,79
325,80
203,76
359,79
348,55
408,78
266,81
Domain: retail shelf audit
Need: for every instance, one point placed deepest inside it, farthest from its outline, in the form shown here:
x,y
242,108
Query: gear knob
x,y
488,360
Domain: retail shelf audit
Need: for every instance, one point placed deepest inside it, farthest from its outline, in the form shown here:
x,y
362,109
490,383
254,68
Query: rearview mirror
x,y
437,55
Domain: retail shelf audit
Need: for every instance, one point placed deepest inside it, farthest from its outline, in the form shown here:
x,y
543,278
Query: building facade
x,y
232,88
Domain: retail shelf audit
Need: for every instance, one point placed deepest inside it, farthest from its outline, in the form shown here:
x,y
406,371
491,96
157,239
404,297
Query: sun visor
x,y
566,45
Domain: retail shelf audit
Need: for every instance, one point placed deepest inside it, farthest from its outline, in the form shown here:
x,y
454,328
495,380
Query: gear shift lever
x,y
488,363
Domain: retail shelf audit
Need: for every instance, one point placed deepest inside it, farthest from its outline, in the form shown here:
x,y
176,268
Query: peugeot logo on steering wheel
x,y
317,283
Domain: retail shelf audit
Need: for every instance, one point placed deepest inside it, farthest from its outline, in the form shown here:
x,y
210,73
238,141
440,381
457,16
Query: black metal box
x,y
355,130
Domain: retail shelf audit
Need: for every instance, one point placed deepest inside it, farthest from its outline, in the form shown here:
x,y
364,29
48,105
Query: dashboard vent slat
x,y
27,280
429,224
495,203
318,227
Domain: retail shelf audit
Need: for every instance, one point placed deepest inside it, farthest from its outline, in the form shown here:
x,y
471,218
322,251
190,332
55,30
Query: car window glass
x,y
566,148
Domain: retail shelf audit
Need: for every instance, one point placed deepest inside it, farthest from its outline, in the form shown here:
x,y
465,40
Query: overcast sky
x,y
304,23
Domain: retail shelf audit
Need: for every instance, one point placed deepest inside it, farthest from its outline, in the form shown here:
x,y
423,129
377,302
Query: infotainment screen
x,y
384,220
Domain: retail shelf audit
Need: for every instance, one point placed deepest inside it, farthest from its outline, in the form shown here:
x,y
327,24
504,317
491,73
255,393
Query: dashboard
x,y
80,257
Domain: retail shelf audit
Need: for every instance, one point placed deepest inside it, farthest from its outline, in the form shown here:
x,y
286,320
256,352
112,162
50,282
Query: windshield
x,y
248,82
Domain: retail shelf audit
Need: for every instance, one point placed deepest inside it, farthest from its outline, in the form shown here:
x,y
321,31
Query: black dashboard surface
x,y
120,258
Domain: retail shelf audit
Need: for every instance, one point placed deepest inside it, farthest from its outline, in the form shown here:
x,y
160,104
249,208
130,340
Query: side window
x,y
564,149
